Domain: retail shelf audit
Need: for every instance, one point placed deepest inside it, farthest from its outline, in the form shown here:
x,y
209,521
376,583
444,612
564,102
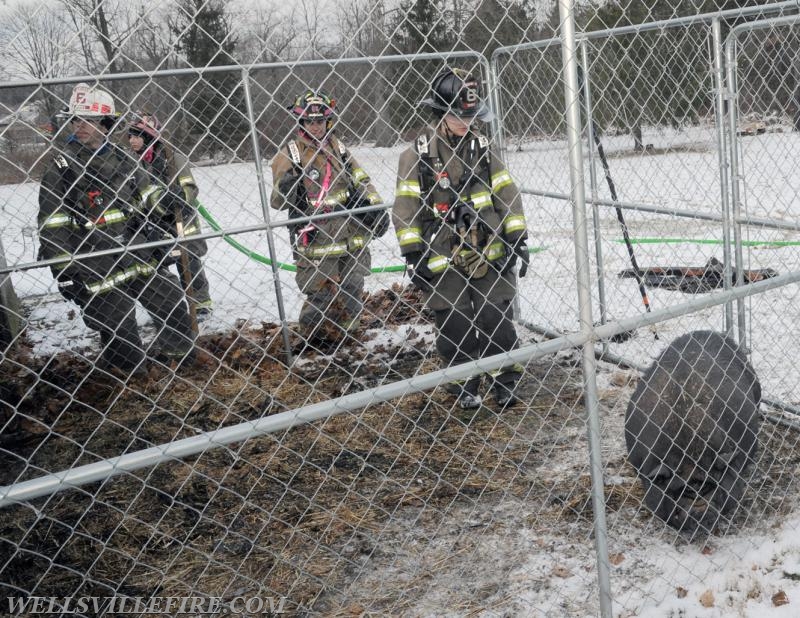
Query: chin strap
x,y
321,142
453,140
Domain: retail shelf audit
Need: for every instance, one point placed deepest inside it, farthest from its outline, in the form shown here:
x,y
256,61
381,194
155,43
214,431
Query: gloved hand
x,y
288,182
376,222
524,258
471,262
519,251
421,275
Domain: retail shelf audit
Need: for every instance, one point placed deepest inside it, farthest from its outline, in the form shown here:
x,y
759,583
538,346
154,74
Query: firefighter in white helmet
x,y
459,221
314,173
172,169
94,197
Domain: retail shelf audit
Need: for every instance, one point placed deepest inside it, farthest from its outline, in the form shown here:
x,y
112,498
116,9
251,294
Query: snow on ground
x,y
658,576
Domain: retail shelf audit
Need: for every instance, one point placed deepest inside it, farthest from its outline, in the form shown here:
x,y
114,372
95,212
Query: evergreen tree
x,y
425,27
496,23
215,105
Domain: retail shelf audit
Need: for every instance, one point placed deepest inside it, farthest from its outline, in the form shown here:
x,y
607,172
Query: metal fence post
x,y
598,237
736,205
720,96
10,311
262,190
572,107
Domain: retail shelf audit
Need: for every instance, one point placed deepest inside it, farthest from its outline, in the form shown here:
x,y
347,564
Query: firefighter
x,y
171,168
314,173
94,197
461,229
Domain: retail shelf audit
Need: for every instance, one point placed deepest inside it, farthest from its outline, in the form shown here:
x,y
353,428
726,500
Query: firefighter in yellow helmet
x,y
459,221
314,173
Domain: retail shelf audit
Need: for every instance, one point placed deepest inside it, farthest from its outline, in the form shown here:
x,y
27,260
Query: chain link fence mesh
x,y
267,476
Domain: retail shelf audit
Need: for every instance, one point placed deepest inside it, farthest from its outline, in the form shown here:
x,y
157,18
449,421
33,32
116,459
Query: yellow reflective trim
x,y
495,251
438,263
408,188
186,180
359,175
64,264
119,277
356,242
109,217
191,229
151,196
374,199
501,179
145,195
321,251
515,368
514,223
409,236
57,220
114,215
480,200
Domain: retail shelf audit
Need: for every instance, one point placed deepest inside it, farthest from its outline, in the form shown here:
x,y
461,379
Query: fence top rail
x,y
782,20
664,24
245,68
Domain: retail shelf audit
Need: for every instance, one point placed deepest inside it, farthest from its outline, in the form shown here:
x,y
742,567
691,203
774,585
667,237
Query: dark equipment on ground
x,y
694,279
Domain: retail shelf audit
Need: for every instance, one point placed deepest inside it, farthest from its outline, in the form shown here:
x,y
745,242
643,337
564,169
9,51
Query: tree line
x,y
659,78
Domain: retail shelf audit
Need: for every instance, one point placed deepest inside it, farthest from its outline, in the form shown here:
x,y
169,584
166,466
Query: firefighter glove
x,y
288,183
421,275
519,251
471,262
524,259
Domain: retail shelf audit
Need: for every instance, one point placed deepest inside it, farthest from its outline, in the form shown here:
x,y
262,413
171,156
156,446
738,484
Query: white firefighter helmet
x,y
91,102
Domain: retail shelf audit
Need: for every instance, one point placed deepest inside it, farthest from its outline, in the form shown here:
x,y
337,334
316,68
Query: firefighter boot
x,y
504,394
468,397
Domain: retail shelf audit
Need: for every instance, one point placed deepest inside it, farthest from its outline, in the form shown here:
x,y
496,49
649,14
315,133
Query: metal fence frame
x,y
723,66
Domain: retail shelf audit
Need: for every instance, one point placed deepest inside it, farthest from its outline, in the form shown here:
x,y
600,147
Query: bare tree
x,y
109,23
315,37
152,45
35,39
268,35
363,24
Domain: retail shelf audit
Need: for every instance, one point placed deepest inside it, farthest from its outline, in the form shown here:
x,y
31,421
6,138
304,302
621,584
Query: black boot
x,y
468,397
504,395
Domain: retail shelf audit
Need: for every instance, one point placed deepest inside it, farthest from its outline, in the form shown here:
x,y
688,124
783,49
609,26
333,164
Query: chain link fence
x,y
268,475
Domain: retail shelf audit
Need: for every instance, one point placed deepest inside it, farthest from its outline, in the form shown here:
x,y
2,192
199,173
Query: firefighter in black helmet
x,y
461,228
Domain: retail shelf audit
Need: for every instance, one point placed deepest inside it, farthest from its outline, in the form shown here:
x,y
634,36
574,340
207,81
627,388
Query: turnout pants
x,y
200,292
476,321
333,287
113,314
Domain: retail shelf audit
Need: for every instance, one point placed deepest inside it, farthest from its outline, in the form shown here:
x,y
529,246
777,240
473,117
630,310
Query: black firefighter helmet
x,y
457,92
314,105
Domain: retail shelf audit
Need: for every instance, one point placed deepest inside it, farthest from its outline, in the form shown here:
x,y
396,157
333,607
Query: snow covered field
x,y
686,179
655,573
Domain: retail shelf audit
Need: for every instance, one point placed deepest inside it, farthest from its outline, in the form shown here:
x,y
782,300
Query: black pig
x,y
691,430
